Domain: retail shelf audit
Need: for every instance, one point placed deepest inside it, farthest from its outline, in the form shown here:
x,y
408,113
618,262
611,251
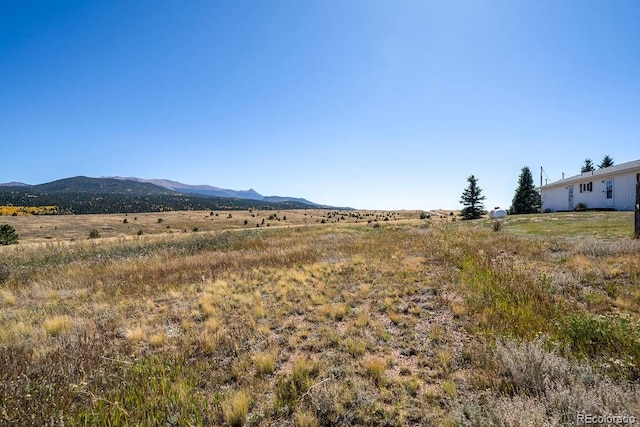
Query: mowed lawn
x,y
322,318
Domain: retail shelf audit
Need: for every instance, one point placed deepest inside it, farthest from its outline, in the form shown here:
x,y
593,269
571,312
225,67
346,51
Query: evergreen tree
x,y
8,234
588,166
526,199
606,162
472,200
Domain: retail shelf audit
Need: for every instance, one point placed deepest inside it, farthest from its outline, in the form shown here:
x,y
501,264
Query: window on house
x,y
586,187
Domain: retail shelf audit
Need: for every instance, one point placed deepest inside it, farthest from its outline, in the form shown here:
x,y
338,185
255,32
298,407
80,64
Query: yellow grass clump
x,y
449,387
135,333
158,339
8,297
17,331
305,419
235,408
376,368
264,362
362,318
57,325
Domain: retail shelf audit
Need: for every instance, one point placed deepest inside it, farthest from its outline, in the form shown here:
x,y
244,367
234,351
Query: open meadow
x,y
61,228
320,318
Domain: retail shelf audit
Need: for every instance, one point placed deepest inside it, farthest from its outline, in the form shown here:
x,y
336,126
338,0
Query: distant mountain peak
x,y
84,195
14,184
209,190
84,184
140,187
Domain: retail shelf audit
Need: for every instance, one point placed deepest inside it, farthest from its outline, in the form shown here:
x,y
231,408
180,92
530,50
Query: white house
x,y
609,188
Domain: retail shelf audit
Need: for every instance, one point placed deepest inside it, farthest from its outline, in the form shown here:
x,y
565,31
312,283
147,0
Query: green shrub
x,y
614,340
8,234
285,395
507,301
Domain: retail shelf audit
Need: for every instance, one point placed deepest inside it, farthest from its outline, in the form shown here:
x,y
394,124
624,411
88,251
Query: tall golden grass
x,y
412,322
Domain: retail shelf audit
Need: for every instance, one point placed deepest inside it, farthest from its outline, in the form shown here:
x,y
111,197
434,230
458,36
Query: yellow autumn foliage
x,y
28,210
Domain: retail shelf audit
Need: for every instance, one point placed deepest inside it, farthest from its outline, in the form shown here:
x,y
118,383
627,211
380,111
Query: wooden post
x,y
638,210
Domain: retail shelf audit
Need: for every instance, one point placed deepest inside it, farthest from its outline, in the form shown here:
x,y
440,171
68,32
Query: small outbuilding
x,y
611,188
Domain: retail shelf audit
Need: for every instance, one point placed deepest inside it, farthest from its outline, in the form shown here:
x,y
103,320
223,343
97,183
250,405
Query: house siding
x,y
555,196
625,197
556,199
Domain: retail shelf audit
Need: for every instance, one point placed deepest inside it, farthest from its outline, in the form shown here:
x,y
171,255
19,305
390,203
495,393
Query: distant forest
x,y
85,203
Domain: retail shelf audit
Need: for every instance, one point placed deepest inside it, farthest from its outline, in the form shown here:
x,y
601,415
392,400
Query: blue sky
x,y
370,104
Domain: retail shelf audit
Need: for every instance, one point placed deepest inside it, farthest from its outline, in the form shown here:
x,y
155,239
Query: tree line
x,y
588,164
526,199
85,203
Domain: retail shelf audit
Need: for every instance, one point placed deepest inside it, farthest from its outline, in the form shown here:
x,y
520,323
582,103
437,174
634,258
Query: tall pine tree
x,y
526,199
472,200
588,166
606,162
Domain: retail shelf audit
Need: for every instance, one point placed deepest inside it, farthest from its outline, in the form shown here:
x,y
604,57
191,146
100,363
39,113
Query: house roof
x,y
622,167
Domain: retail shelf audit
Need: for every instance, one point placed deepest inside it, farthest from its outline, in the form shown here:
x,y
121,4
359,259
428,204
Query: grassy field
x,y
61,228
354,321
602,225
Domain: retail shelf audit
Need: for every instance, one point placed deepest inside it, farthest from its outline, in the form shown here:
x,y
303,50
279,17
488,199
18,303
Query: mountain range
x,y
208,190
119,195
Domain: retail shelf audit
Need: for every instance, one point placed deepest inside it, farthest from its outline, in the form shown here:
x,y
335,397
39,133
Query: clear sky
x,y
369,104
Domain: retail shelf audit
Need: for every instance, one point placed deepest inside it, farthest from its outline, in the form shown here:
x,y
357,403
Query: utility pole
x,y
540,193
637,234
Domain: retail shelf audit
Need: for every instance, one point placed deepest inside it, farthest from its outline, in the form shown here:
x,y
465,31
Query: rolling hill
x,y
84,195
208,190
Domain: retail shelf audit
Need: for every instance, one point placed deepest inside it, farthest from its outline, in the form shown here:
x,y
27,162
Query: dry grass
x,y
135,334
264,362
235,408
540,387
57,325
376,368
52,229
305,419
449,387
157,339
8,297
414,322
